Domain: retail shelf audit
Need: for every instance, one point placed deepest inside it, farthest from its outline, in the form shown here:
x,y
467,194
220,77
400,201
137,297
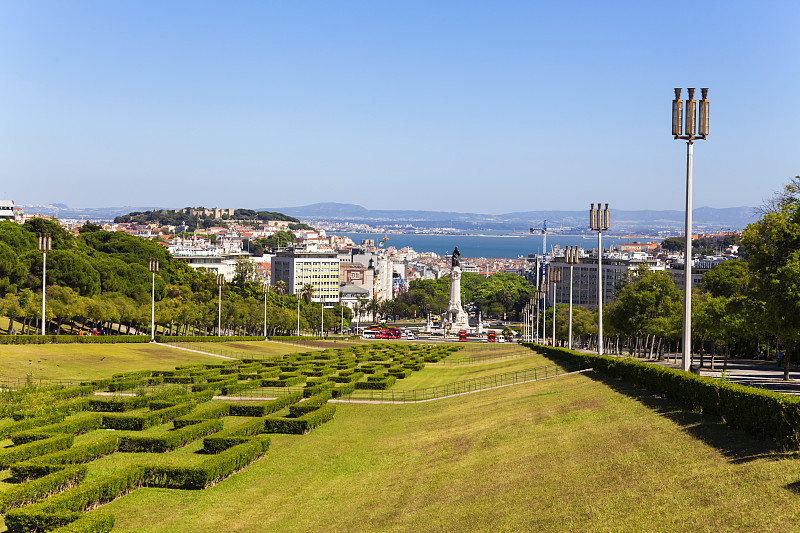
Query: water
x,y
494,247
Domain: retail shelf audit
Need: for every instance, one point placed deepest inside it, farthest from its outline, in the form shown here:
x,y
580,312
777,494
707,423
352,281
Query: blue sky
x,y
488,107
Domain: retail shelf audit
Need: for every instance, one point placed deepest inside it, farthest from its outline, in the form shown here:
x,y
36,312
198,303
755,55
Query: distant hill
x,y
705,218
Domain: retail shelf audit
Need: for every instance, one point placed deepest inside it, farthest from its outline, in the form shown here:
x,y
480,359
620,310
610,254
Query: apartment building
x,y
298,268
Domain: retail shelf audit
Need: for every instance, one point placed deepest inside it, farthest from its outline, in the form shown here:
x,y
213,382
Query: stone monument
x,y
456,315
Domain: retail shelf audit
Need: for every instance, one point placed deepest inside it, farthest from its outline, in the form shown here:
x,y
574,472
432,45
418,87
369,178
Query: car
x,y
501,339
410,336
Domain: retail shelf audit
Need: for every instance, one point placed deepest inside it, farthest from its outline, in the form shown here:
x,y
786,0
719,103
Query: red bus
x,y
491,336
462,335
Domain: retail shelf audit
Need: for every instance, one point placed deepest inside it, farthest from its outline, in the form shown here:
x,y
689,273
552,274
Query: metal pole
x,y
570,308
322,319
219,313
554,314
686,363
153,311
265,314
298,317
599,293
341,329
44,277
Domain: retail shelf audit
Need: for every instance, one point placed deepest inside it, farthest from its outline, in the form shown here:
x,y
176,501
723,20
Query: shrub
x,y
52,462
67,339
302,424
311,404
232,436
33,491
169,440
117,404
209,472
74,426
28,423
343,390
146,420
756,411
208,338
206,413
15,454
89,523
382,384
264,408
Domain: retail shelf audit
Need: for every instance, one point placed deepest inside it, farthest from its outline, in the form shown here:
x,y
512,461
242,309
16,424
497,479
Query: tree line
x,y
100,279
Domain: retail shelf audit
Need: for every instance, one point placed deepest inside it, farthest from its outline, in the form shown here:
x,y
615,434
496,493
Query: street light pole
x,y
265,288
691,133
598,221
45,245
555,277
220,283
298,315
153,269
571,259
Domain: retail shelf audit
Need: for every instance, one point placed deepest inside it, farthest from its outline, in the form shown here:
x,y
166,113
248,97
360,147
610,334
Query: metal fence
x,y
461,387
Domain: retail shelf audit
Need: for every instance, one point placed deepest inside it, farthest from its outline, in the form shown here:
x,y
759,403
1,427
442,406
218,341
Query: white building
x,y
299,268
6,210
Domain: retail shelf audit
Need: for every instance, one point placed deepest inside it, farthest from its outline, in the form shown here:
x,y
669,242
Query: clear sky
x,y
485,106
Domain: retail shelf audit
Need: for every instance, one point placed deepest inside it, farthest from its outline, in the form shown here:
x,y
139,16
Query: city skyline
x,y
448,107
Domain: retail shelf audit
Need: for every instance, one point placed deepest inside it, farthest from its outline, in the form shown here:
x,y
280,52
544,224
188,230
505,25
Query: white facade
x,y
6,210
297,269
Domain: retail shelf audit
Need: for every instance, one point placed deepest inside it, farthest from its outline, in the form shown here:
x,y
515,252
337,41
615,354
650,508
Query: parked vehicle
x,y
462,335
491,336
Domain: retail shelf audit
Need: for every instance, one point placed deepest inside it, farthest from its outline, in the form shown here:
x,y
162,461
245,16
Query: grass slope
x,y
90,361
568,454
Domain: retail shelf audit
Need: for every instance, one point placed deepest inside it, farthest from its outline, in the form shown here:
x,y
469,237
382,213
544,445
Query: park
x,y
298,435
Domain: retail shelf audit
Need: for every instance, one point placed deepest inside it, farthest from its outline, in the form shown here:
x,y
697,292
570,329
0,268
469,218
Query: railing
x,y
461,387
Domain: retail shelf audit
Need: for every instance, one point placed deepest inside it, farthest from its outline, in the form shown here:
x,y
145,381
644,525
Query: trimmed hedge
x,y
74,426
15,454
343,390
757,411
311,404
146,420
381,384
28,423
207,338
230,437
209,472
68,407
169,440
117,404
52,462
264,408
33,491
89,523
68,339
206,413
302,424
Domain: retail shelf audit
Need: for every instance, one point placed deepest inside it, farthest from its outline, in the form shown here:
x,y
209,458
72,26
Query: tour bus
x,y
462,335
491,336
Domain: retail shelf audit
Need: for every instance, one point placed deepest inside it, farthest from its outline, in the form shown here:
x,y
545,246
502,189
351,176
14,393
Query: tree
x,y
789,195
245,270
280,287
772,248
307,292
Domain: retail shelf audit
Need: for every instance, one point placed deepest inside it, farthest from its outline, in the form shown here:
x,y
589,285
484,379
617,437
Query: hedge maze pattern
x,y
56,433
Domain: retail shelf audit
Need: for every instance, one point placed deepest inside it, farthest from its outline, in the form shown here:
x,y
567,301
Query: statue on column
x,y
456,260
456,314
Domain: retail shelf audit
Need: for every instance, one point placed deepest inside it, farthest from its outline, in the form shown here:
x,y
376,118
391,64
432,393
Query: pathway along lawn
x,y
84,362
567,454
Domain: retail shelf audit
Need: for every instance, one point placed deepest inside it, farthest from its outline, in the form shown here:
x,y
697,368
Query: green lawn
x,y
567,454
90,361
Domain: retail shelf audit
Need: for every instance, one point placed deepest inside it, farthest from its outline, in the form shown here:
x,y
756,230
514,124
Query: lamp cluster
x,y
45,242
598,218
694,126
153,266
571,255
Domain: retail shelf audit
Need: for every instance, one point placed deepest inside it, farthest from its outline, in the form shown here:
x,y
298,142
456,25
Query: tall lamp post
x,y
541,295
693,128
220,283
153,269
45,245
265,288
555,277
571,258
598,221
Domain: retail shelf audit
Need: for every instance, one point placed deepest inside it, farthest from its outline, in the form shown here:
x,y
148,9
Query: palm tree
x,y
280,287
307,292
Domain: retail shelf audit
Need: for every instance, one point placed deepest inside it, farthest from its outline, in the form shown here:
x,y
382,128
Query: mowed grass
x,y
82,362
574,453
435,374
